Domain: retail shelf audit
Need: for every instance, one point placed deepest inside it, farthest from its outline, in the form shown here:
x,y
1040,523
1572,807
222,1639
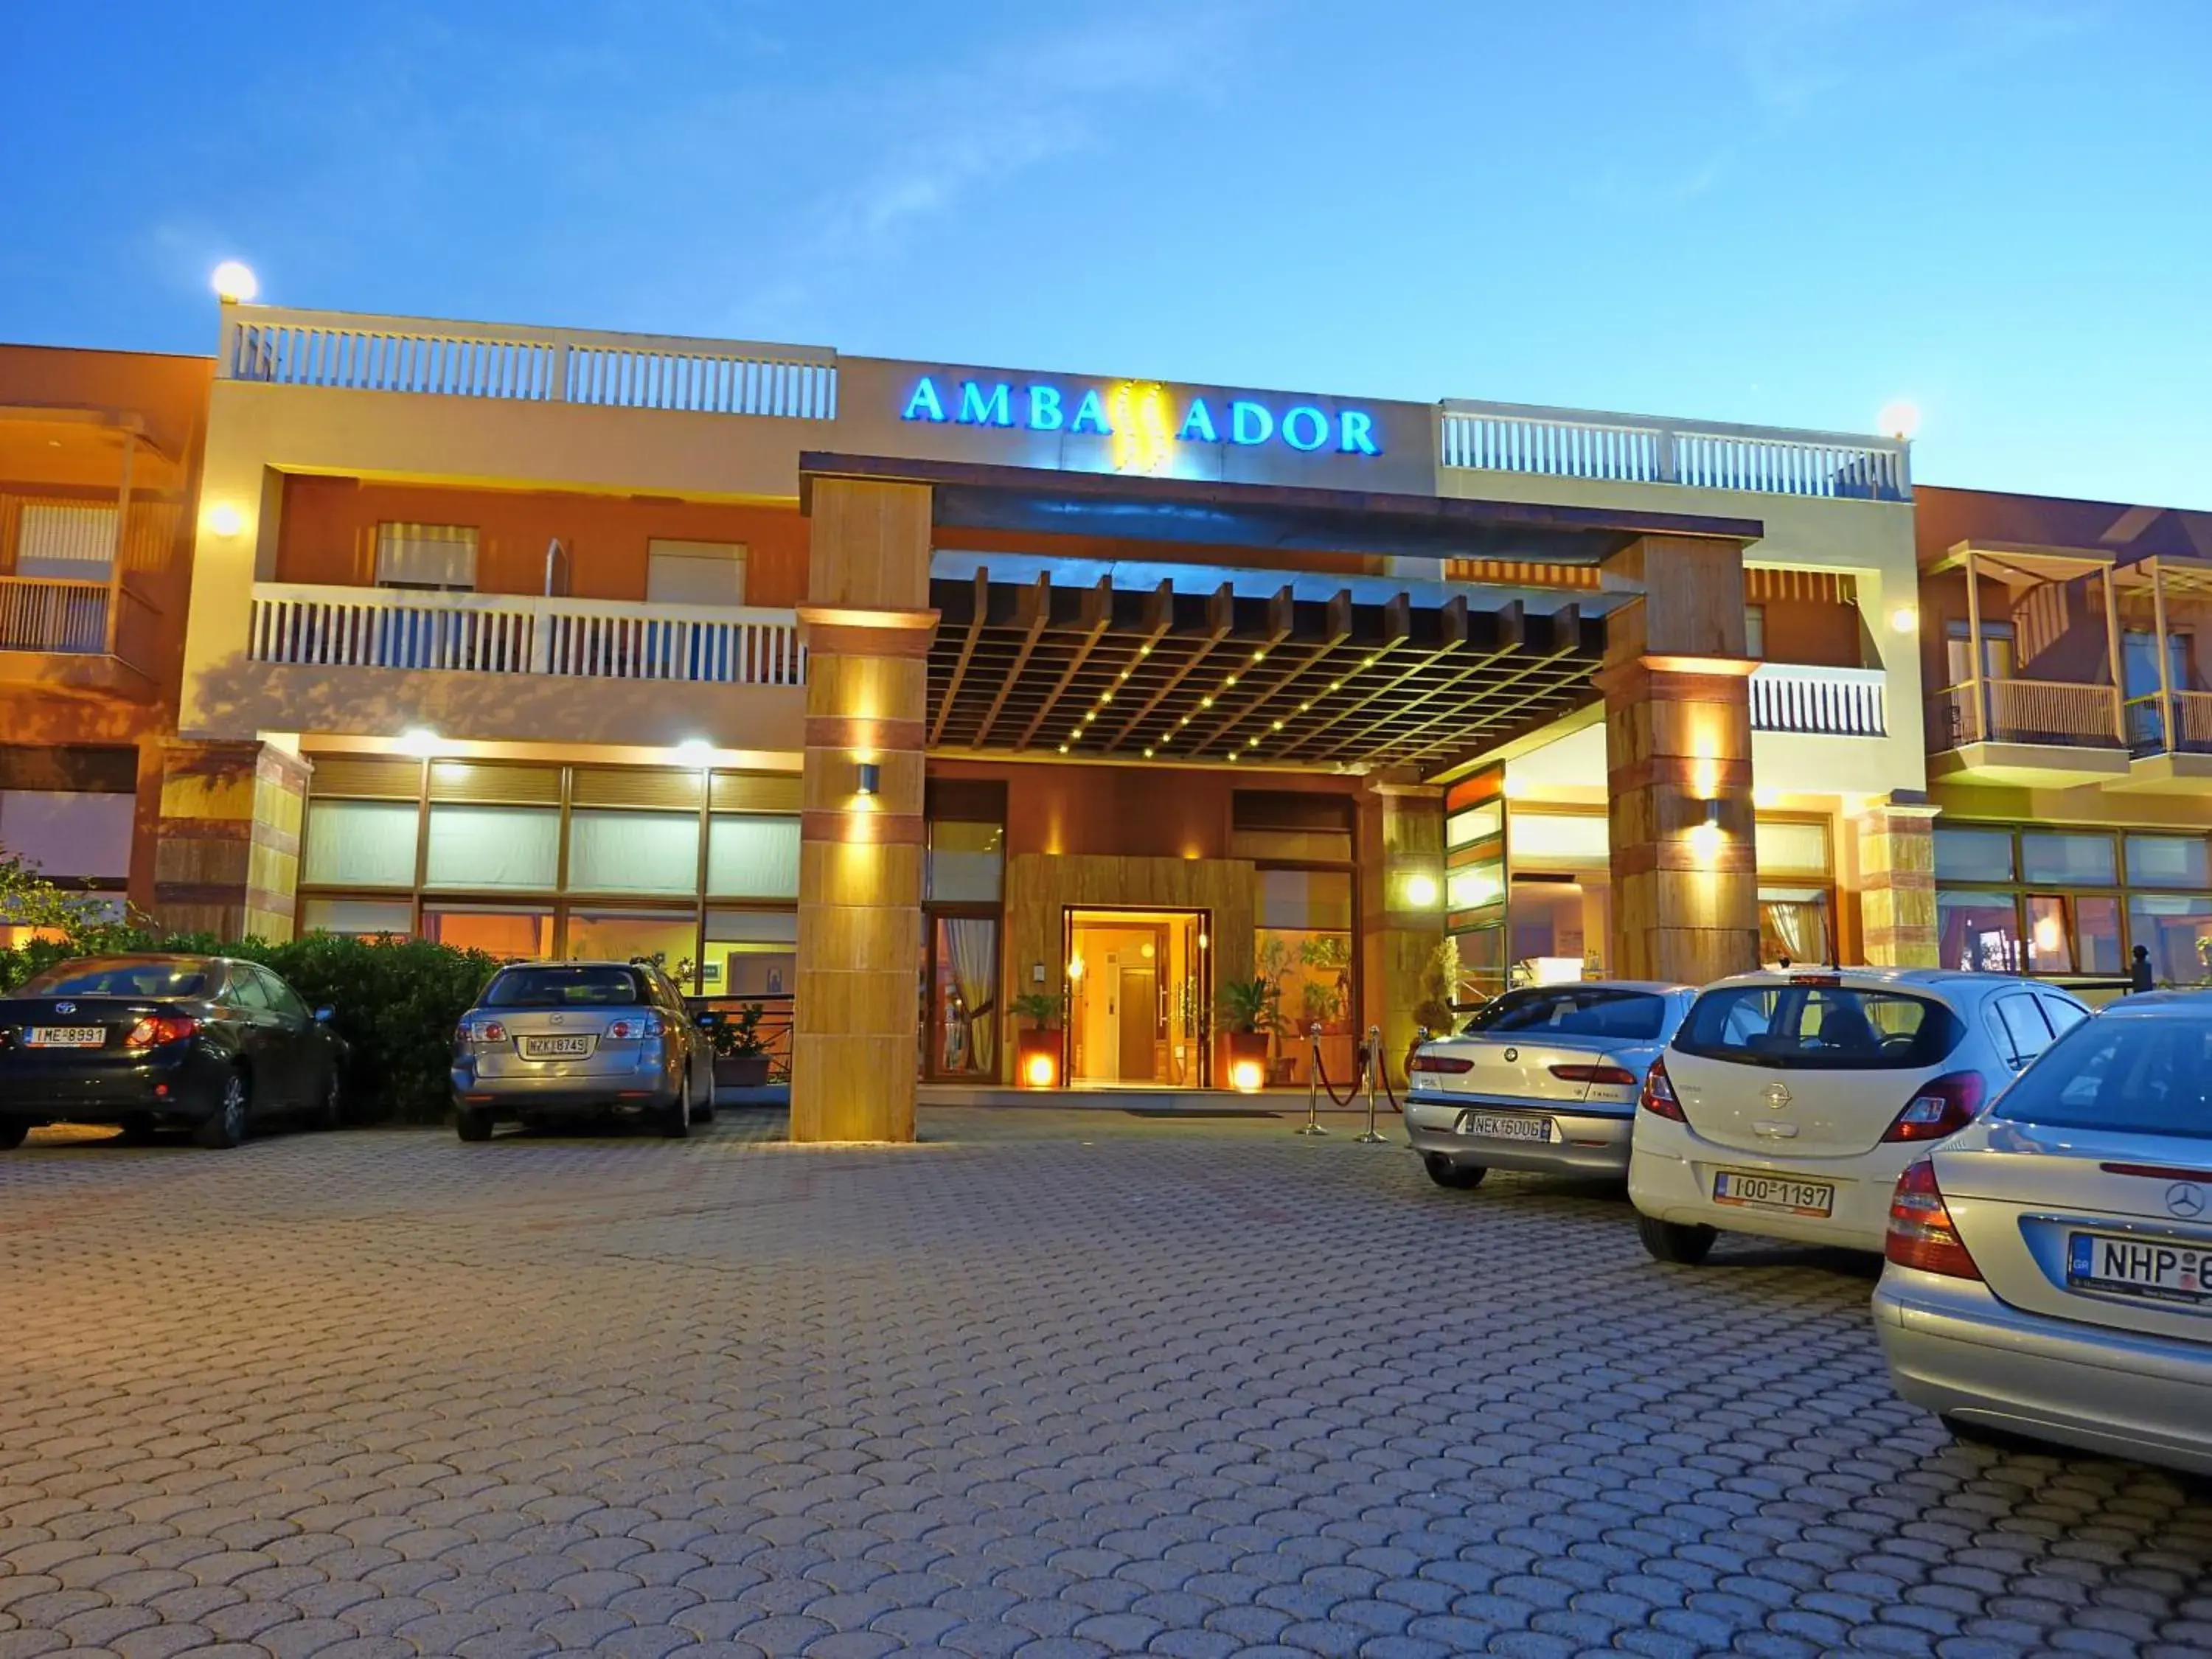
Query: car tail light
x,y
1424,1062
482,1030
640,1025
1921,1231
1658,1095
1941,1107
1618,1076
155,1029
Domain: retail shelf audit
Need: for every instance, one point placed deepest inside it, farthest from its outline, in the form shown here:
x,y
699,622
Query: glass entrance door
x,y
1137,998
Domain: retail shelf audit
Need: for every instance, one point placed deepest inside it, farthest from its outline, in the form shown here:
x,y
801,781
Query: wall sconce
x,y
225,520
1075,967
1421,890
1705,835
871,778
1905,618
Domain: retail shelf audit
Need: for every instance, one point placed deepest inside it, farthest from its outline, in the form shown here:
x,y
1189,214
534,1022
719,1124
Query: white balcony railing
x,y
1571,443
517,634
1848,702
279,347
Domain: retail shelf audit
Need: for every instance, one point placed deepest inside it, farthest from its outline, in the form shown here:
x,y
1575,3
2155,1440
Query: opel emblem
x,y
2185,1199
64,1007
1512,1054
1776,1095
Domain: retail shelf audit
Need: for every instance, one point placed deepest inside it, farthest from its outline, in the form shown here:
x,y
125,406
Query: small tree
x,y
1036,1007
1439,984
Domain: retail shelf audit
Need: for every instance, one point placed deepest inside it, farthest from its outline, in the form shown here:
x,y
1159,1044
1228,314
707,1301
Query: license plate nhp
x,y
556,1047
2157,1269
1750,1190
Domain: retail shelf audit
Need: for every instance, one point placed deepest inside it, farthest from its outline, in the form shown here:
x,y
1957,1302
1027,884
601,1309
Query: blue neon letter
x,y
1198,424
977,410
1304,428
1358,430
1044,409
924,404
1092,409
1249,423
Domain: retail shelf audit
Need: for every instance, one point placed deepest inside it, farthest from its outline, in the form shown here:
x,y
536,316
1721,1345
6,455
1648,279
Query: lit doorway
x,y
1137,998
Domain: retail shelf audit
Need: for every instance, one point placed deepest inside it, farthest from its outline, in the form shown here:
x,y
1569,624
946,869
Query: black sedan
x,y
163,1042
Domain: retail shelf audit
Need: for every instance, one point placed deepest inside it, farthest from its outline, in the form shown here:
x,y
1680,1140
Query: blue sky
x,y
1789,211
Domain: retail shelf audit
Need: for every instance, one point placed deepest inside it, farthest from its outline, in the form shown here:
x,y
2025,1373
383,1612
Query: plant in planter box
x,y
740,1050
1036,1044
1251,1013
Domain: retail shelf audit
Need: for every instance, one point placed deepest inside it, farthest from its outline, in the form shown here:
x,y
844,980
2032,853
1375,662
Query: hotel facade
x,y
910,695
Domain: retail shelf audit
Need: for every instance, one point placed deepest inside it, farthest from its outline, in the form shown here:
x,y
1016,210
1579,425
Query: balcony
x,y
1844,703
1568,443
89,634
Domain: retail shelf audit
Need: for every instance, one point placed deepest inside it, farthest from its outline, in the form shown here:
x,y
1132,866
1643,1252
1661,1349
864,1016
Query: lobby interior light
x,y
420,741
235,283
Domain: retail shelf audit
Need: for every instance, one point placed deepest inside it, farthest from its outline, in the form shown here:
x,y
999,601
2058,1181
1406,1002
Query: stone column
x,y
1678,763
868,629
1896,885
1401,874
227,843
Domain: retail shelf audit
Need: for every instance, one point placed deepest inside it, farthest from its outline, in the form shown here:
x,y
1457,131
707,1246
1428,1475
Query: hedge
x,y
395,1001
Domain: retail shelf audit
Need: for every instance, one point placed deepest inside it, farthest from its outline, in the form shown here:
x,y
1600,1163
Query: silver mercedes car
x,y
550,1040
1543,1078
2050,1266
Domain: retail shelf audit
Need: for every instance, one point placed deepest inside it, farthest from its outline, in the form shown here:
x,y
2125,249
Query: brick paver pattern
x,y
1056,1384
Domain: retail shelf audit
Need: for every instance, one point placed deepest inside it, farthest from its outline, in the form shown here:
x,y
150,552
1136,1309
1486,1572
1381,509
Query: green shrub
x,y
395,1001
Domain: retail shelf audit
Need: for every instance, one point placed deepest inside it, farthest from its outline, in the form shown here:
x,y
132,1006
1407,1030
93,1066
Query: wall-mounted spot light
x,y
869,780
1905,618
1705,835
420,741
695,750
1421,890
224,518
1075,967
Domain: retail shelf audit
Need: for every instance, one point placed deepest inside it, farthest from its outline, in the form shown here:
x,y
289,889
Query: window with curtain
x,y
752,855
433,555
68,833
65,541
493,846
1797,848
358,843
1793,923
965,1029
619,852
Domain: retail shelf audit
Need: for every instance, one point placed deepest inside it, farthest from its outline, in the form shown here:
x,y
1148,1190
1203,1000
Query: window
x,y
1557,925
65,542
1476,824
1996,652
1793,924
120,977
559,986
1472,886
1289,827
2017,1024
512,847
2177,931
750,953
630,852
360,844
2121,1075
667,939
966,862
2161,861
281,995
1819,1028
1568,841
2072,859
68,833
1978,933
752,855
695,573
245,991
495,930
962,1029
1754,630
1575,1011
431,555
1974,855
1795,846
2050,942
2139,662
358,918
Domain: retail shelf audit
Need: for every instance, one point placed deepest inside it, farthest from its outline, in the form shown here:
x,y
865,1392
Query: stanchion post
x,y
1312,1125
1374,1058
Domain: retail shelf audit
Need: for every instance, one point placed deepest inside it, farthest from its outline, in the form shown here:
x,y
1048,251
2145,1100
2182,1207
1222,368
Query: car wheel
x,y
330,1115
225,1126
1669,1241
1459,1177
676,1121
703,1111
11,1135
472,1122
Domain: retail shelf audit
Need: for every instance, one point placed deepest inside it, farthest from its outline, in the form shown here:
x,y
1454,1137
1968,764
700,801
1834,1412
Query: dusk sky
x,y
1784,211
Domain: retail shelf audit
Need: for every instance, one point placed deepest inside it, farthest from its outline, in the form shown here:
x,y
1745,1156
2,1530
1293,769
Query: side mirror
x,y
324,1016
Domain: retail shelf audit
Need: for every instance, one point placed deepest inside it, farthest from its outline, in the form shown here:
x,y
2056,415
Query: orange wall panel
x,y
1127,811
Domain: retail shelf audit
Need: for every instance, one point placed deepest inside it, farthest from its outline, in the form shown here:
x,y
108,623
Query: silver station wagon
x,y
550,1040
1542,1078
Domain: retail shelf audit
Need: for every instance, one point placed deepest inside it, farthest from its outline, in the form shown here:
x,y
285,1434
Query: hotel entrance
x,y
1139,998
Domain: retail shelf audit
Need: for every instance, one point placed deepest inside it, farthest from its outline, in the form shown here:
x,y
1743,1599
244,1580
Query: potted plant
x,y
1439,982
1249,1019
740,1050
1036,1045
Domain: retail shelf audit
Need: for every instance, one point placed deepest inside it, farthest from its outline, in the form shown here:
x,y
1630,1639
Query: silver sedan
x,y
1543,1078
2050,1266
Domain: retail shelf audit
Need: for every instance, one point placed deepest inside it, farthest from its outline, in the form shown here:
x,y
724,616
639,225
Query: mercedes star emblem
x,y
2185,1199
1776,1095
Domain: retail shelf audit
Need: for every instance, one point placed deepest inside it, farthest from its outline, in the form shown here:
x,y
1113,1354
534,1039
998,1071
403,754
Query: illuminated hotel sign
x,y
1143,418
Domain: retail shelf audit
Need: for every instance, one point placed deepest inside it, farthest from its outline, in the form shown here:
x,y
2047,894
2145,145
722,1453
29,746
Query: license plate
x,y
1767,1192
65,1036
1499,1126
2160,1270
559,1047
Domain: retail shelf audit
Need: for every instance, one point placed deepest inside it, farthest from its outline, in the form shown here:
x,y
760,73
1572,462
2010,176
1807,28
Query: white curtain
x,y
68,833
517,848
634,852
972,943
360,844
752,855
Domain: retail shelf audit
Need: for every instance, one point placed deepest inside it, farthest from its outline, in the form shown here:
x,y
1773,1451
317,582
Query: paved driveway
x,y
1052,1385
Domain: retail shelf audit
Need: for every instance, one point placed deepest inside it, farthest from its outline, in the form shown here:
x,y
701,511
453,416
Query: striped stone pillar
x,y
855,1041
1896,885
1677,691
227,842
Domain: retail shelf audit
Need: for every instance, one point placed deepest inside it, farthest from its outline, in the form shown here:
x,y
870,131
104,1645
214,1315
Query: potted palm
x,y
1036,1045
740,1050
1248,1019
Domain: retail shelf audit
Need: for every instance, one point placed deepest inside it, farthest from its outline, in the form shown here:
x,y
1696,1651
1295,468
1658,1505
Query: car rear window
x,y
1575,1011
1819,1028
566,987
158,980
2124,1076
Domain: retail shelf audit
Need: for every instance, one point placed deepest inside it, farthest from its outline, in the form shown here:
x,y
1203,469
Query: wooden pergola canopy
x,y
1098,672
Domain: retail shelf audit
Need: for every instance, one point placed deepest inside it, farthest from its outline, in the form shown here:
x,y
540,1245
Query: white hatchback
x,y
1789,1102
